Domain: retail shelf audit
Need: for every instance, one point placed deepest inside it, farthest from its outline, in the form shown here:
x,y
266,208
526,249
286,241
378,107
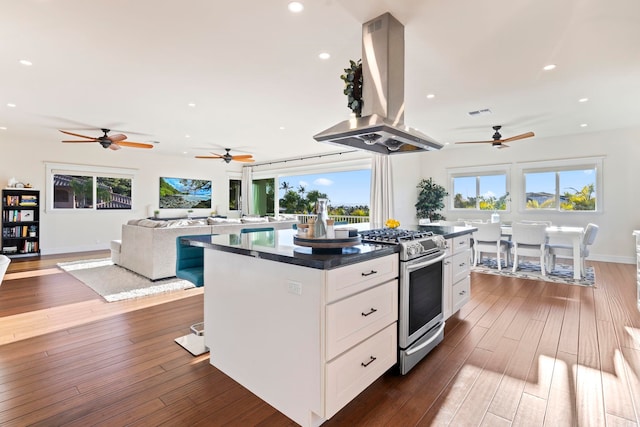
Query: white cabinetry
x,y
637,234
457,283
307,341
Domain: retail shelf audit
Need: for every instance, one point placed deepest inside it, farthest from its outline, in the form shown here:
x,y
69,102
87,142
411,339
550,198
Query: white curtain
x,y
247,190
381,206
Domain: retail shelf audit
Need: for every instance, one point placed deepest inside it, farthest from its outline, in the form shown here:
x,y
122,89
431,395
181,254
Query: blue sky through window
x,y
343,188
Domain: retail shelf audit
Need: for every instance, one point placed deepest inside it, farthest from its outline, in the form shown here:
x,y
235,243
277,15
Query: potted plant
x,y
430,199
190,213
156,213
352,79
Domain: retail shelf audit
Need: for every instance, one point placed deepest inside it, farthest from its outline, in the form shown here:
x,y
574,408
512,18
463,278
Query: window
x,y
88,188
263,196
482,190
235,194
562,186
347,191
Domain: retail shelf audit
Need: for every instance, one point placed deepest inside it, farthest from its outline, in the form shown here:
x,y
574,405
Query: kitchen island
x,y
304,331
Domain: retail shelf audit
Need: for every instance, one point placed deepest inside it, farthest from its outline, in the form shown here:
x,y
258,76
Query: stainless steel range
x,y
420,323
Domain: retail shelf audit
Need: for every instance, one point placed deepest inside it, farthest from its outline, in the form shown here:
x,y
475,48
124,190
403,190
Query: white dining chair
x,y
566,251
529,240
488,239
4,264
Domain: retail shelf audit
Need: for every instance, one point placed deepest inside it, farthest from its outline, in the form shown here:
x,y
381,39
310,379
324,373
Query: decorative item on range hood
x,y
381,128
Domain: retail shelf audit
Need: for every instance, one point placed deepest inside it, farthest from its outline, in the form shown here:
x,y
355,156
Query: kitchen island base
x,y
298,337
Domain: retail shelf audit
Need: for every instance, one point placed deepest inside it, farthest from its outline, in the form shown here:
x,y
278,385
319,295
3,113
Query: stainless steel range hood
x,y
381,128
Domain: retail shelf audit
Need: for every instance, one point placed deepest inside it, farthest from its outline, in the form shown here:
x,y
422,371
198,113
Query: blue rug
x,y
562,273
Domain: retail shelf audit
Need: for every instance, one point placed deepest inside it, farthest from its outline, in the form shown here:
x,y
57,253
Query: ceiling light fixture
x,y
10,105
3,128
324,56
583,99
295,7
26,62
187,136
549,67
430,96
191,104
584,125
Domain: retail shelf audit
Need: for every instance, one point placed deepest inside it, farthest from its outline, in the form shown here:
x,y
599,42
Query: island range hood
x,y
381,128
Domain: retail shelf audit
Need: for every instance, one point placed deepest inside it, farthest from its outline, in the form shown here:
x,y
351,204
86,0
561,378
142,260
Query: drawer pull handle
x,y
462,265
373,310
369,273
364,365
462,292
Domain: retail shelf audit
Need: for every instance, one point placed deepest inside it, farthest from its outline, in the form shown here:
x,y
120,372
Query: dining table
x,y
562,234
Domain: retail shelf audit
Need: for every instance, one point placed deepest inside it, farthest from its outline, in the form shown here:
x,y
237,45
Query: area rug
x,y
115,283
561,273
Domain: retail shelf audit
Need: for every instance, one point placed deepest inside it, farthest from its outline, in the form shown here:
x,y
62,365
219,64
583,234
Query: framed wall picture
x,y
184,193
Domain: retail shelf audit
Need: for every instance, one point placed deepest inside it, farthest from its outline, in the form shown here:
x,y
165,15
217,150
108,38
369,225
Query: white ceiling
x,y
252,67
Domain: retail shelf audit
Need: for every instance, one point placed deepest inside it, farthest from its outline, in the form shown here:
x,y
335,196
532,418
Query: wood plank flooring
x,y
521,353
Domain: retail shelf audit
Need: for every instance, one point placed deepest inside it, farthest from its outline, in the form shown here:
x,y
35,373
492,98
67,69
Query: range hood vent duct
x,y
381,128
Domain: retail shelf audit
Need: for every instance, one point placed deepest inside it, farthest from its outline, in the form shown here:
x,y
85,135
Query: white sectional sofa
x,y
148,247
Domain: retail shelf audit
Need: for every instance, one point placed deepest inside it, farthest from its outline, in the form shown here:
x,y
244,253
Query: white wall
x,y
621,173
83,231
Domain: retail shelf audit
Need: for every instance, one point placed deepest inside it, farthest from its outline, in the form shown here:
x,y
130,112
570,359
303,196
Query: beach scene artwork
x,y
184,193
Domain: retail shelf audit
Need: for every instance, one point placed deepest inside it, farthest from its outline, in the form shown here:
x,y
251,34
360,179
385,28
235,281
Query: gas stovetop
x,y
413,243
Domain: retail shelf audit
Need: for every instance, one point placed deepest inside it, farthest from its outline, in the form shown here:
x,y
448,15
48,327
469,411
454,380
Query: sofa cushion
x,y
149,223
253,220
215,221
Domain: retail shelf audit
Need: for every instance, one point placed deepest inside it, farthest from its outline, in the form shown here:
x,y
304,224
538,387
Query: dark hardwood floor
x,y
522,353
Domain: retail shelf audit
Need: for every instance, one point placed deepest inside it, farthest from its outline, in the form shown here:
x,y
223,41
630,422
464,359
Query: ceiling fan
x,y
228,157
113,142
497,141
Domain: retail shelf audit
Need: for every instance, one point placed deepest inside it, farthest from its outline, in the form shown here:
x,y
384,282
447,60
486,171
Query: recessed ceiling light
x,y
3,128
324,55
26,62
191,104
187,136
10,105
584,125
549,67
583,99
430,96
281,127
296,7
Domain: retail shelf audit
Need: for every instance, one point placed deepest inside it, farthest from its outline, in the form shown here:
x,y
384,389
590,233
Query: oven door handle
x,y
427,342
413,265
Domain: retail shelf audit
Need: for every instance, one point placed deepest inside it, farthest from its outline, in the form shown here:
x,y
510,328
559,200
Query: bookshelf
x,y
20,222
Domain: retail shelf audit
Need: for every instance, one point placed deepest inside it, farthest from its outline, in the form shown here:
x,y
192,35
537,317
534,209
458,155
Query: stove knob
x,y
411,250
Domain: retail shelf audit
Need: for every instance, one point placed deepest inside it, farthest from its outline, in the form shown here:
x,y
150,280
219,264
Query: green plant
x,y
430,199
352,78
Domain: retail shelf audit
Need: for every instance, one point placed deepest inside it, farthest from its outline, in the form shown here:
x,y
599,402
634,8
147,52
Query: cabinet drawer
x,y
460,243
460,266
354,319
355,370
345,281
461,293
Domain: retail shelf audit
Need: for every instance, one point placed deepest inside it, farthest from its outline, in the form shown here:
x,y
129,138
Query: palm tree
x,y
285,186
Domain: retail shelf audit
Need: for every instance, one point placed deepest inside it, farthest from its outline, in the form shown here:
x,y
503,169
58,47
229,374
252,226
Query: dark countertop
x,y
278,246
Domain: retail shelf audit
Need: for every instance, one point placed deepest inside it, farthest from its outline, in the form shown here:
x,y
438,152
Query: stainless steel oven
x,y
420,322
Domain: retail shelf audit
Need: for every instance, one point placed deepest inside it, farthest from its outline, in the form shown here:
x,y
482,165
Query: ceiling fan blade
x,y
475,142
117,137
208,157
242,156
78,135
517,137
134,144
92,140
